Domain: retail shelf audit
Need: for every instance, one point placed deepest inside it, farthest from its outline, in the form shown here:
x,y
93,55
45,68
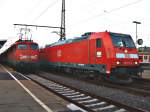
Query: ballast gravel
x,y
114,94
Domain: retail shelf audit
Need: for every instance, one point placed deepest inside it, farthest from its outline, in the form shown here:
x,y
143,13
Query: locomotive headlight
x,y
23,56
117,62
136,62
34,57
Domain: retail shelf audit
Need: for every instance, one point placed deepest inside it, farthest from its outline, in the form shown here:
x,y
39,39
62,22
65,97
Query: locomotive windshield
x,y
122,40
22,46
34,47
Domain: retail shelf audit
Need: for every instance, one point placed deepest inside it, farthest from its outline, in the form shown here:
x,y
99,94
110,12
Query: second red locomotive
x,y
23,55
113,55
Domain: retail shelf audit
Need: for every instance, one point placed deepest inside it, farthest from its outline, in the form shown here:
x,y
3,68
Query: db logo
x,y
99,54
59,53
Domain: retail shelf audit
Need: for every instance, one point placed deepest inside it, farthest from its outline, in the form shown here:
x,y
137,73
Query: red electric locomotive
x,y
23,55
113,55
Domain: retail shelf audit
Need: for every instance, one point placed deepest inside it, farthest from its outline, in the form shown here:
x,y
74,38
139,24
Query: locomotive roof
x,y
76,39
83,37
25,41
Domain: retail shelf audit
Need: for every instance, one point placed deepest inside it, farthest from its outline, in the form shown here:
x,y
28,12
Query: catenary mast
x,y
62,30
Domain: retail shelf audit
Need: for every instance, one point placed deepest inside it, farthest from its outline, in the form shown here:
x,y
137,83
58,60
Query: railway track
x,y
86,101
138,87
146,67
142,80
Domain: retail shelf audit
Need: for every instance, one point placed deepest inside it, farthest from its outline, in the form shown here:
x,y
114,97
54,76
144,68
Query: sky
x,y
81,16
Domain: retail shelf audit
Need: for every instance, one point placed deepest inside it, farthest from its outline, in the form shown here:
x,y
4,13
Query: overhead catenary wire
x,y
107,12
35,6
45,10
37,26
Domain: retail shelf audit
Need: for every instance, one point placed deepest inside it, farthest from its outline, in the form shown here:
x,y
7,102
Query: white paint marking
x,y
29,92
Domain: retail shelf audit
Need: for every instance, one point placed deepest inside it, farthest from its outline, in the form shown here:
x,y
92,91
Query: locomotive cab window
x,y
22,46
98,43
34,47
122,40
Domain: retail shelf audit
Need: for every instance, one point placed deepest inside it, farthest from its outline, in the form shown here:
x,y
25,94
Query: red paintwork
x,y
28,52
71,53
13,54
84,52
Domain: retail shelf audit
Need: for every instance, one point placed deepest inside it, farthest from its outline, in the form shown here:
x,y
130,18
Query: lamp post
x,y
136,22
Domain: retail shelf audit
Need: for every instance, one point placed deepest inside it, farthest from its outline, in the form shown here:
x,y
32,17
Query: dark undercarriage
x,y
27,66
123,75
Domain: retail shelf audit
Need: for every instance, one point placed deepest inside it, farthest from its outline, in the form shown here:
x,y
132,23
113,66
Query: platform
x,y
146,74
13,98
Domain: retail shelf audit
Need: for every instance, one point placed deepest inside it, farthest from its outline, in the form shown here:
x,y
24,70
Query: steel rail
x,y
108,101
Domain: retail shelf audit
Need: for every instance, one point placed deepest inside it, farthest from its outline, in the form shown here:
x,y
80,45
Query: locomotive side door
x,y
96,51
91,51
99,53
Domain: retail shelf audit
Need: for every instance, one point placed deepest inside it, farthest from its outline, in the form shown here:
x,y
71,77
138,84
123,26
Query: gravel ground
x,y
120,96
146,74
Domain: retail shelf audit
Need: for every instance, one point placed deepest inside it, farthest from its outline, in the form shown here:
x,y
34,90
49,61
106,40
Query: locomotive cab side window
x,y
98,43
22,46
